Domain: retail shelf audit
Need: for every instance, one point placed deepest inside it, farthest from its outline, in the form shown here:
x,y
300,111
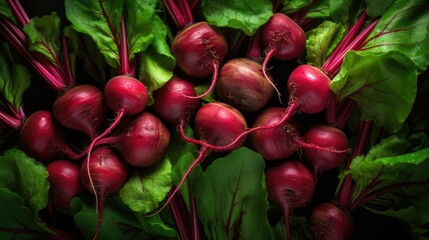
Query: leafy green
x,y
72,46
345,11
231,197
322,40
147,187
383,85
139,24
126,224
14,81
291,6
100,20
299,228
26,177
157,63
6,11
404,27
375,8
245,15
23,194
43,35
394,181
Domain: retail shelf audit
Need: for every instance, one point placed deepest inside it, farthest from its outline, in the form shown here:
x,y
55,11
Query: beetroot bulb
x,y
282,39
105,175
290,185
217,124
81,108
42,138
64,180
242,85
142,140
329,221
329,137
170,103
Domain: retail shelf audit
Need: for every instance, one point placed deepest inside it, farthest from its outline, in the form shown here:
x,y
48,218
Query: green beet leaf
x,y
100,20
245,15
404,27
182,155
157,63
18,221
6,11
118,221
375,8
43,36
26,177
147,187
383,85
14,81
393,181
299,227
322,40
291,6
345,11
231,197
139,24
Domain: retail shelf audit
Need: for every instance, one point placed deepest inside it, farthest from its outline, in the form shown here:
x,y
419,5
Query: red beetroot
x,y
290,185
199,50
105,174
42,138
81,108
325,136
282,39
328,221
64,180
242,84
171,103
142,140
274,143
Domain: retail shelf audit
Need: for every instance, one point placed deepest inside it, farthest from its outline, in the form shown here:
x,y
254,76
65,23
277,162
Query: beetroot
x,y
142,140
103,174
290,185
199,50
326,137
329,221
171,103
81,108
64,180
42,138
274,143
242,85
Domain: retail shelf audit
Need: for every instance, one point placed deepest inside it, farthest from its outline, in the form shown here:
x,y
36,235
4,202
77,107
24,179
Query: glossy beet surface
x,y
81,108
196,47
242,84
219,124
328,221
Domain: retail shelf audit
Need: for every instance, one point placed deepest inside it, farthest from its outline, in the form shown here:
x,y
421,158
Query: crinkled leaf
x,y
383,85
26,177
404,27
157,63
231,197
43,36
402,183
100,20
291,6
118,222
14,81
322,40
245,15
17,216
147,187
139,24
375,8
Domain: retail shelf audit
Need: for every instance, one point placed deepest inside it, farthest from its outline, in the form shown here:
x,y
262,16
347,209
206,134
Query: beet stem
x,y
215,66
19,12
11,121
123,50
201,156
